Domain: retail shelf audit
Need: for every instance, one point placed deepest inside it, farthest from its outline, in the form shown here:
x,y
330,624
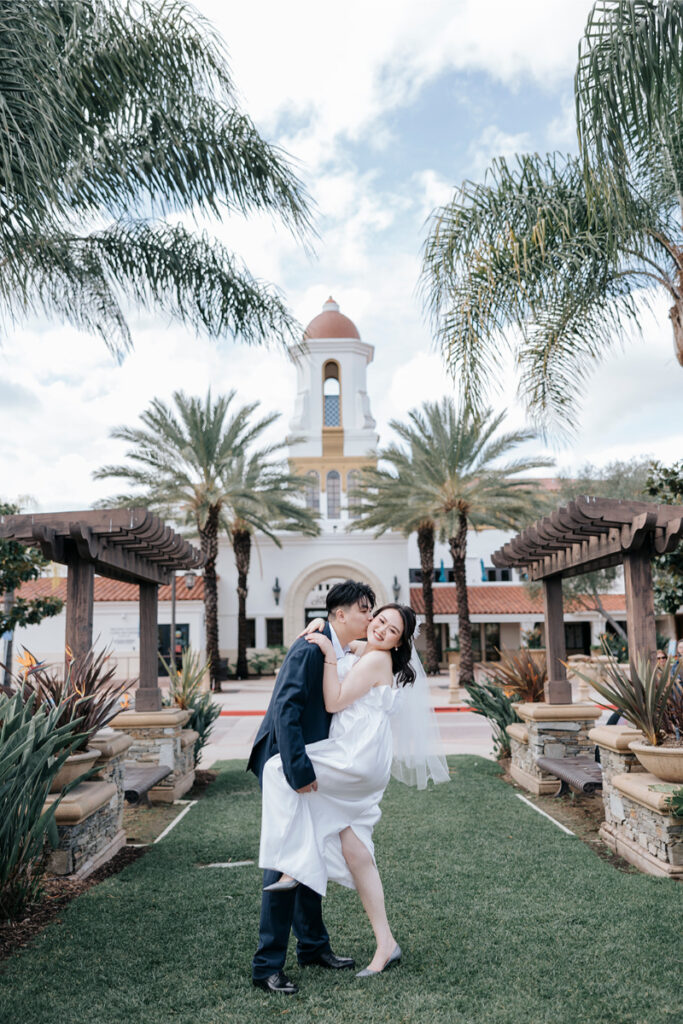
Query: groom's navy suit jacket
x,y
296,715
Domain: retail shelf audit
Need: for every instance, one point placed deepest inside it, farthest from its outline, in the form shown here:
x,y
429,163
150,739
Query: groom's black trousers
x,y
298,910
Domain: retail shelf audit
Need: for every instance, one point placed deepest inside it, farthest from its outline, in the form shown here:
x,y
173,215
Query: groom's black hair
x,y
343,595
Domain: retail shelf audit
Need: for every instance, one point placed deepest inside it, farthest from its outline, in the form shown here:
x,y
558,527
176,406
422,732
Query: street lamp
x,y
396,587
190,579
277,590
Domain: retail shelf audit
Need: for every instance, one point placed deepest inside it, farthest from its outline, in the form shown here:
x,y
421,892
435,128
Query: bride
x,y
326,834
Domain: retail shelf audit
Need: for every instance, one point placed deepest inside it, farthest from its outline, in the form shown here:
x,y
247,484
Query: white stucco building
x,y
332,436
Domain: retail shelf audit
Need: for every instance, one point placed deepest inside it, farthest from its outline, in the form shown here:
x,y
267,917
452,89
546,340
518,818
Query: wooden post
x,y
640,607
148,696
557,689
79,606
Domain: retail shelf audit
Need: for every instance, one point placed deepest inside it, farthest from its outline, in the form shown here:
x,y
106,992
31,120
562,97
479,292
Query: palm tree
x,y
555,257
190,463
113,116
265,497
387,500
451,472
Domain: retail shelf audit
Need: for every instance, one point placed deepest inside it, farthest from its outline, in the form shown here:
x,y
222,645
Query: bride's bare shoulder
x,y
358,646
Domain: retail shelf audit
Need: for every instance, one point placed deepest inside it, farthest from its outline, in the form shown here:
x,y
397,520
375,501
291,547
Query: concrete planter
x,y
73,767
664,762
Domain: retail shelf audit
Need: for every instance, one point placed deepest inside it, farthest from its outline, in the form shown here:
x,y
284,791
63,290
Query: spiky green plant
x,y
185,692
520,674
491,702
185,684
641,696
33,747
88,691
204,714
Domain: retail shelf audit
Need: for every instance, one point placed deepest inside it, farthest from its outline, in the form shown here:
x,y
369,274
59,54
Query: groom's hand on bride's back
x,y
310,788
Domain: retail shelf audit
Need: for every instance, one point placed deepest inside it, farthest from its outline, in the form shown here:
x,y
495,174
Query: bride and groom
x,y
343,716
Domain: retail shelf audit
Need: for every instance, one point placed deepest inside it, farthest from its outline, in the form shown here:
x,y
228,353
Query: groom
x,y
296,715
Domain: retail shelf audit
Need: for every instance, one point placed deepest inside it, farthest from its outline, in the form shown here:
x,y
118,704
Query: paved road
x,y
244,703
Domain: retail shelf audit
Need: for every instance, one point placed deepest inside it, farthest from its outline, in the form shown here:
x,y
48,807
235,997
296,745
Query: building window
x,y
312,492
353,492
439,575
498,575
251,632
331,395
333,489
492,641
274,633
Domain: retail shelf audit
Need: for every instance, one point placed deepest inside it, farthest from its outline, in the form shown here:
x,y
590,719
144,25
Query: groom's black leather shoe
x,y
278,982
331,961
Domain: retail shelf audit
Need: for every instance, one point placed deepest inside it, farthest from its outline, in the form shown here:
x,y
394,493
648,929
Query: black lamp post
x,y
277,590
396,587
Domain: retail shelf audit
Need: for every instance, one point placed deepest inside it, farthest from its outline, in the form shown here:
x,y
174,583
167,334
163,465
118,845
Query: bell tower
x,y
332,416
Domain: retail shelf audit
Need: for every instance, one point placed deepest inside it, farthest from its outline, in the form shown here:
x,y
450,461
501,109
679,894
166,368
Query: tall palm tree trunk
x,y
458,548
425,545
241,545
209,545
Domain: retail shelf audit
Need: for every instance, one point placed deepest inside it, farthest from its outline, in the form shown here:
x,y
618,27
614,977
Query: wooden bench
x,y
581,773
138,779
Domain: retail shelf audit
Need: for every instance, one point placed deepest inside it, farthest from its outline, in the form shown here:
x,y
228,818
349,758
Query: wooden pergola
x,y
124,544
589,534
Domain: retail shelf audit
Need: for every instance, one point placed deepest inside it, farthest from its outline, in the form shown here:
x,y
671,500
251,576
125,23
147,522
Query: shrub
x,y
33,747
185,692
520,675
204,714
489,700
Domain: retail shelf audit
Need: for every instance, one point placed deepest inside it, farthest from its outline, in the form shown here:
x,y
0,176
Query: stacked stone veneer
x,y
113,749
89,827
549,730
159,739
637,825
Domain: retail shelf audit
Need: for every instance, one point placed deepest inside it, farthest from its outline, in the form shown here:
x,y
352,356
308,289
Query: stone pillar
x,y
557,689
89,830
637,826
160,739
552,730
113,747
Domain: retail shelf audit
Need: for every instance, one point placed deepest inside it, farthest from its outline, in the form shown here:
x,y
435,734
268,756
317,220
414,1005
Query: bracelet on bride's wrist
x,y
330,662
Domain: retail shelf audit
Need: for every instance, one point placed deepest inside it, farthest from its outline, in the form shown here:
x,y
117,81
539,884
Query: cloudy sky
x,y
384,107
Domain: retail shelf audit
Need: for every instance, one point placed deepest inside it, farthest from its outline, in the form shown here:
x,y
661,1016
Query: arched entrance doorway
x,y
309,590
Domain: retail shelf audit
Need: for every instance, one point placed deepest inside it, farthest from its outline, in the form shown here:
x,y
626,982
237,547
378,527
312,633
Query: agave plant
x,y
185,683
88,691
34,744
491,701
520,675
642,697
185,692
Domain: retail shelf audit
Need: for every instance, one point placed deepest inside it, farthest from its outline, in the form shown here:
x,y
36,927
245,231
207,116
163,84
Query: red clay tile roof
x,y
502,600
110,590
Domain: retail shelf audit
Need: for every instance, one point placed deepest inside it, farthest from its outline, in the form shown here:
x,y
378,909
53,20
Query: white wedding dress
x,y
300,831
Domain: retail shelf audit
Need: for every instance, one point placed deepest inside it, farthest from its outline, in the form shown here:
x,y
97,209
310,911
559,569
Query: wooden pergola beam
x,y
131,545
589,534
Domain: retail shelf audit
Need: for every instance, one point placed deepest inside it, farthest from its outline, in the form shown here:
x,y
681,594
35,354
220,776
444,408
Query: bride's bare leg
x,y
369,886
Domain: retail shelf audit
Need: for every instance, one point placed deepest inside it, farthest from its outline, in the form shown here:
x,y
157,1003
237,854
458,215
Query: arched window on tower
x,y
331,395
333,489
353,492
312,491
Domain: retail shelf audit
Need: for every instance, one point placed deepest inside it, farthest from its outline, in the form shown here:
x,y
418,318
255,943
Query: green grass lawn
x,y
502,918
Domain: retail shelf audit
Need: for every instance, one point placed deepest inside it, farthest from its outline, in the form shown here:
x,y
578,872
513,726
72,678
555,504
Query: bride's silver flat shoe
x,y
281,886
393,959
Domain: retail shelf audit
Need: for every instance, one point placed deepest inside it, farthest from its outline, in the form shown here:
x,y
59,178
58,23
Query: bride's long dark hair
x,y
403,671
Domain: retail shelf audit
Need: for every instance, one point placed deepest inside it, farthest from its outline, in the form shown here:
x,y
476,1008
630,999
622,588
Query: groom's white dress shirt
x,y
339,651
